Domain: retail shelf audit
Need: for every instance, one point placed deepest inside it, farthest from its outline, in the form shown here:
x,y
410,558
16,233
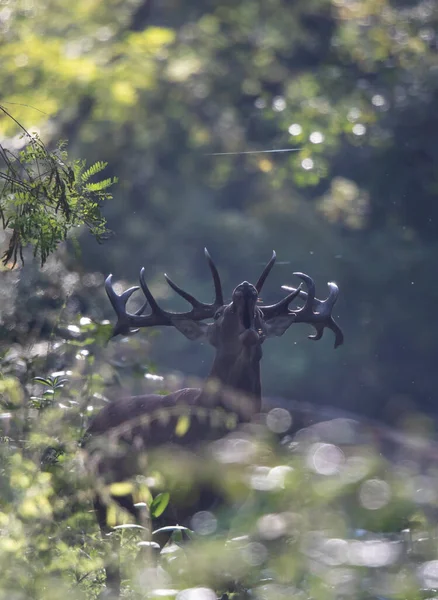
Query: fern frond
x,y
44,195
93,170
99,186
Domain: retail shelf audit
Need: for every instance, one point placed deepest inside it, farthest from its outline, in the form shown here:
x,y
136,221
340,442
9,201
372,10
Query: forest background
x,y
158,91
190,106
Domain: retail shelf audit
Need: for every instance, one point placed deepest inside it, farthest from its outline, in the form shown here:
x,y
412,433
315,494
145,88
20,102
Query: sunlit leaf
x,y
159,504
182,425
122,488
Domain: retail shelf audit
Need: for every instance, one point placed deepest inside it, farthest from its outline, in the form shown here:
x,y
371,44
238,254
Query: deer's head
x,y
239,327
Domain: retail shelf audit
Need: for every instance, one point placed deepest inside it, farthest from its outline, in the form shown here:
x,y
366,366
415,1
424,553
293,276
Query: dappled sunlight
x,y
211,457
315,501
346,204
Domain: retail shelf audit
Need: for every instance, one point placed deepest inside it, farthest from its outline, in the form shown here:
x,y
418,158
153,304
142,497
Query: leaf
x,y
97,167
111,515
159,504
149,545
122,488
47,382
183,425
129,526
59,382
99,185
142,495
172,528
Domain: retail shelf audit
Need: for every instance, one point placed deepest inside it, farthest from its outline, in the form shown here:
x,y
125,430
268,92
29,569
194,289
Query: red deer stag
x,y
236,330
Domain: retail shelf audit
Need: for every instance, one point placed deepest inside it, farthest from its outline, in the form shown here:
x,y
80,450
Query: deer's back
x,y
122,412
127,427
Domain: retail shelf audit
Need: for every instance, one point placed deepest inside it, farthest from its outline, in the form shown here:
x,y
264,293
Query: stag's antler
x,y
130,322
265,272
317,313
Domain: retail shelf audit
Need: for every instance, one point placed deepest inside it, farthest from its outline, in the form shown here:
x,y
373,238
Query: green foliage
x,y
52,385
159,504
352,86
44,196
319,513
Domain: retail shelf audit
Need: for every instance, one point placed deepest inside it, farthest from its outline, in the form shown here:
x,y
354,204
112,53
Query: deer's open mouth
x,y
247,320
247,315
244,301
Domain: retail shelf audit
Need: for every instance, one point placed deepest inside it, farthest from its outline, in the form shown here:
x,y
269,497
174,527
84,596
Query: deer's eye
x,y
218,314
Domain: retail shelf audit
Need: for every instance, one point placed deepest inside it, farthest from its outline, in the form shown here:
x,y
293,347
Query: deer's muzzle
x,y
245,299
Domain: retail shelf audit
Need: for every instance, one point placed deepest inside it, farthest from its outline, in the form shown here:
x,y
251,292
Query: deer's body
x,y
231,394
153,423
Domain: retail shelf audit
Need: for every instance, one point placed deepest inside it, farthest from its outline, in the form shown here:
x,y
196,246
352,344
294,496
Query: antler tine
x,y
199,311
126,321
193,301
328,304
302,294
147,292
138,312
310,284
141,310
265,272
281,307
333,294
119,302
317,313
219,299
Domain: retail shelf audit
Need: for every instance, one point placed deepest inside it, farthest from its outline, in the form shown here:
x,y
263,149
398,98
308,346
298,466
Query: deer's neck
x,y
236,381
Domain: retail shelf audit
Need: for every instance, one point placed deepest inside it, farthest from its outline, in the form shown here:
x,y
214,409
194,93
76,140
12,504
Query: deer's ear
x,y
276,326
193,330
